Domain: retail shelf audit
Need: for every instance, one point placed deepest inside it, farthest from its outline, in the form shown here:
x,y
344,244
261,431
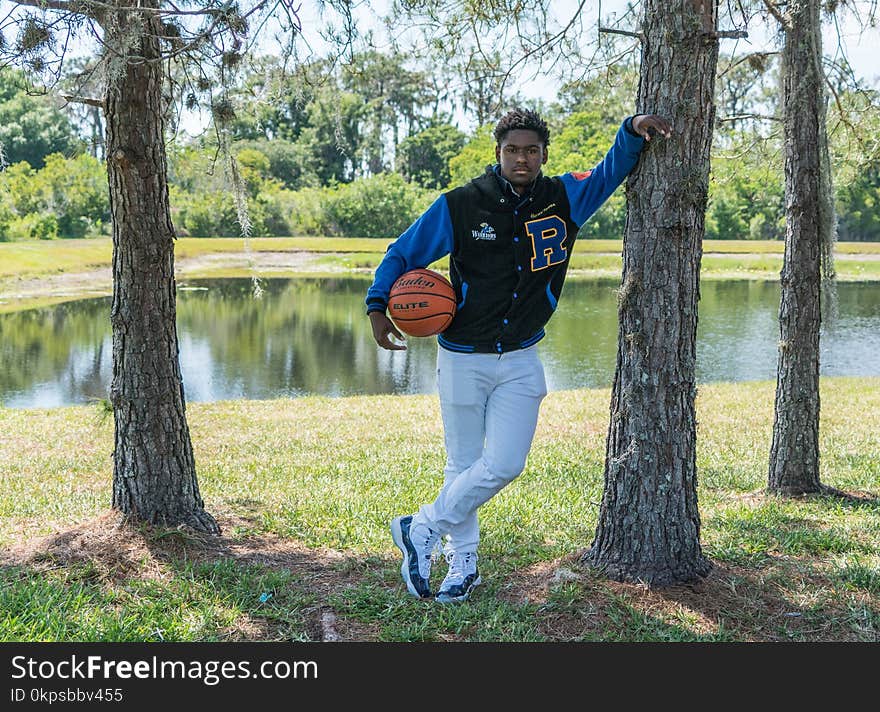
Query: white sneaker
x,y
462,577
416,542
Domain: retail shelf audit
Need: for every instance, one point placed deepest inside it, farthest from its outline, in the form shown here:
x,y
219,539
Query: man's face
x,y
521,155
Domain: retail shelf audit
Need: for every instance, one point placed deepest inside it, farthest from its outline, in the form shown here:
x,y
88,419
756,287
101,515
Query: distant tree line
x,y
361,150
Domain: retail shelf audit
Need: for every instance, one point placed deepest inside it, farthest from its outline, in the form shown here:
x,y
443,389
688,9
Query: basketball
x,y
421,302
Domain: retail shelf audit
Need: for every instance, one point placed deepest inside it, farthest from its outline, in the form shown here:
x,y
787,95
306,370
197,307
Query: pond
x,y
310,336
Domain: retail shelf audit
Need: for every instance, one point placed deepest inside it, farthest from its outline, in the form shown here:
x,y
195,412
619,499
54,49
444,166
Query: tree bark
x,y
649,524
154,475
794,452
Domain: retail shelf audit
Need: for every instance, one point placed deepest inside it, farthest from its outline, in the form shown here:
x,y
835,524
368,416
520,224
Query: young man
x,y
509,234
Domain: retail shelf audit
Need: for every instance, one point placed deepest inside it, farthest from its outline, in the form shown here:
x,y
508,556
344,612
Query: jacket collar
x,y
507,187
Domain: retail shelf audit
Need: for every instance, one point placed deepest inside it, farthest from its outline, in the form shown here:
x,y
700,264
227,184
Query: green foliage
x,y
331,138
746,191
34,226
213,214
305,211
6,218
854,124
423,158
202,199
858,206
31,127
391,99
318,147
610,94
326,123
579,145
303,136
290,163
203,205
68,197
380,206
472,160
205,214
583,141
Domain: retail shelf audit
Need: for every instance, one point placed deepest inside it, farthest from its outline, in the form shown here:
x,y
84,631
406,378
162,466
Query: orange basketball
x,y
421,302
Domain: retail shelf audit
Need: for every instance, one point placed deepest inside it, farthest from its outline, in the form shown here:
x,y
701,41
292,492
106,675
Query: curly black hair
x,y
522,119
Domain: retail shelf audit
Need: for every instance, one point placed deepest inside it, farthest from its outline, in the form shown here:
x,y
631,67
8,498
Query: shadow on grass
x,y
786,599
112,580
109,579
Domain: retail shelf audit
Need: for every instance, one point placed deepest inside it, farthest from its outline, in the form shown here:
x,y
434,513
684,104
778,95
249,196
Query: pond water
x,y
311,336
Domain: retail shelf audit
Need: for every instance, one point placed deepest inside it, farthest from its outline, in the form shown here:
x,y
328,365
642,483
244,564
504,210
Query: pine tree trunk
x,y
649,524
794,453
154,476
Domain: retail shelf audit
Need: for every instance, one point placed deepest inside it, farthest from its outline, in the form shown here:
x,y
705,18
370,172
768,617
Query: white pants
x,y
489,404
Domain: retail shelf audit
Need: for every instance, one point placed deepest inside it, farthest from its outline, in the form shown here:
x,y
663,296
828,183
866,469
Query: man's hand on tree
x,y
644,123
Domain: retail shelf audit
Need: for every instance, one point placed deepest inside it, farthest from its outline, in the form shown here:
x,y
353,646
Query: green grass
x,y
304,489
20,260
35,259
32,259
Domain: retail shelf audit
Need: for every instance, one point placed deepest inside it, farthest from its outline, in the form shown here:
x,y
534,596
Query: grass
x,y
304,489
20,260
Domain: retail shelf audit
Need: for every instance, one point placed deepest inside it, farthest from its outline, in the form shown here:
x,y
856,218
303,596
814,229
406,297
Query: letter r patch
x,y
548,237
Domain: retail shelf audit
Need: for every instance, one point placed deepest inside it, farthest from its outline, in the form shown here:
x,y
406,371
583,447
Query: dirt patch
x,y
294,261
58,287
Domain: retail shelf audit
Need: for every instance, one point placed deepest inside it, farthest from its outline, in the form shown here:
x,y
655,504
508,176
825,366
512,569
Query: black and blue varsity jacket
x,y
508,254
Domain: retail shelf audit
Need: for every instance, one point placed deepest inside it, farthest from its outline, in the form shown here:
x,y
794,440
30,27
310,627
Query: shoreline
x,y
30,292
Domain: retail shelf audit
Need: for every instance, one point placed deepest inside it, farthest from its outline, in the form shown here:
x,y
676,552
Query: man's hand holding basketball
x,y
383,328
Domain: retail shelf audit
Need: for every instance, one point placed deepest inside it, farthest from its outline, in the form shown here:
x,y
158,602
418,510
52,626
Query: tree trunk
x,y
794,453
649,524
154,477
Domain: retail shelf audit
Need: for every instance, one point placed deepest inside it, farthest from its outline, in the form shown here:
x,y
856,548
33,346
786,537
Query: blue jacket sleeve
x,y
589,190
428,239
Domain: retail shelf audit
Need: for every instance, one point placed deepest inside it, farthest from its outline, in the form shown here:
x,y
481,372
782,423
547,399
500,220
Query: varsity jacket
x,y
508,254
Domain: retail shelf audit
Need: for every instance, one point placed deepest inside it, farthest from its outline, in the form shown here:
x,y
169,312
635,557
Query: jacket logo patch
x,y
548,241
581,176
486,232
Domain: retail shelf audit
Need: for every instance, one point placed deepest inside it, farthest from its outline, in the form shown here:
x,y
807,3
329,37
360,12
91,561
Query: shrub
x,y
34,226
72,192
380,206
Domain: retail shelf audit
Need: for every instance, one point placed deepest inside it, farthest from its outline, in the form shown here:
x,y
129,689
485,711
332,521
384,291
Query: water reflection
x,y
310,336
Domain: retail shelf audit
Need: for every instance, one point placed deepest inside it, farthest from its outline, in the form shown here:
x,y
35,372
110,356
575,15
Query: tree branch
x,y
543,45
60,5
743,117
91,101
612,31
777,13
86,7
745,58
